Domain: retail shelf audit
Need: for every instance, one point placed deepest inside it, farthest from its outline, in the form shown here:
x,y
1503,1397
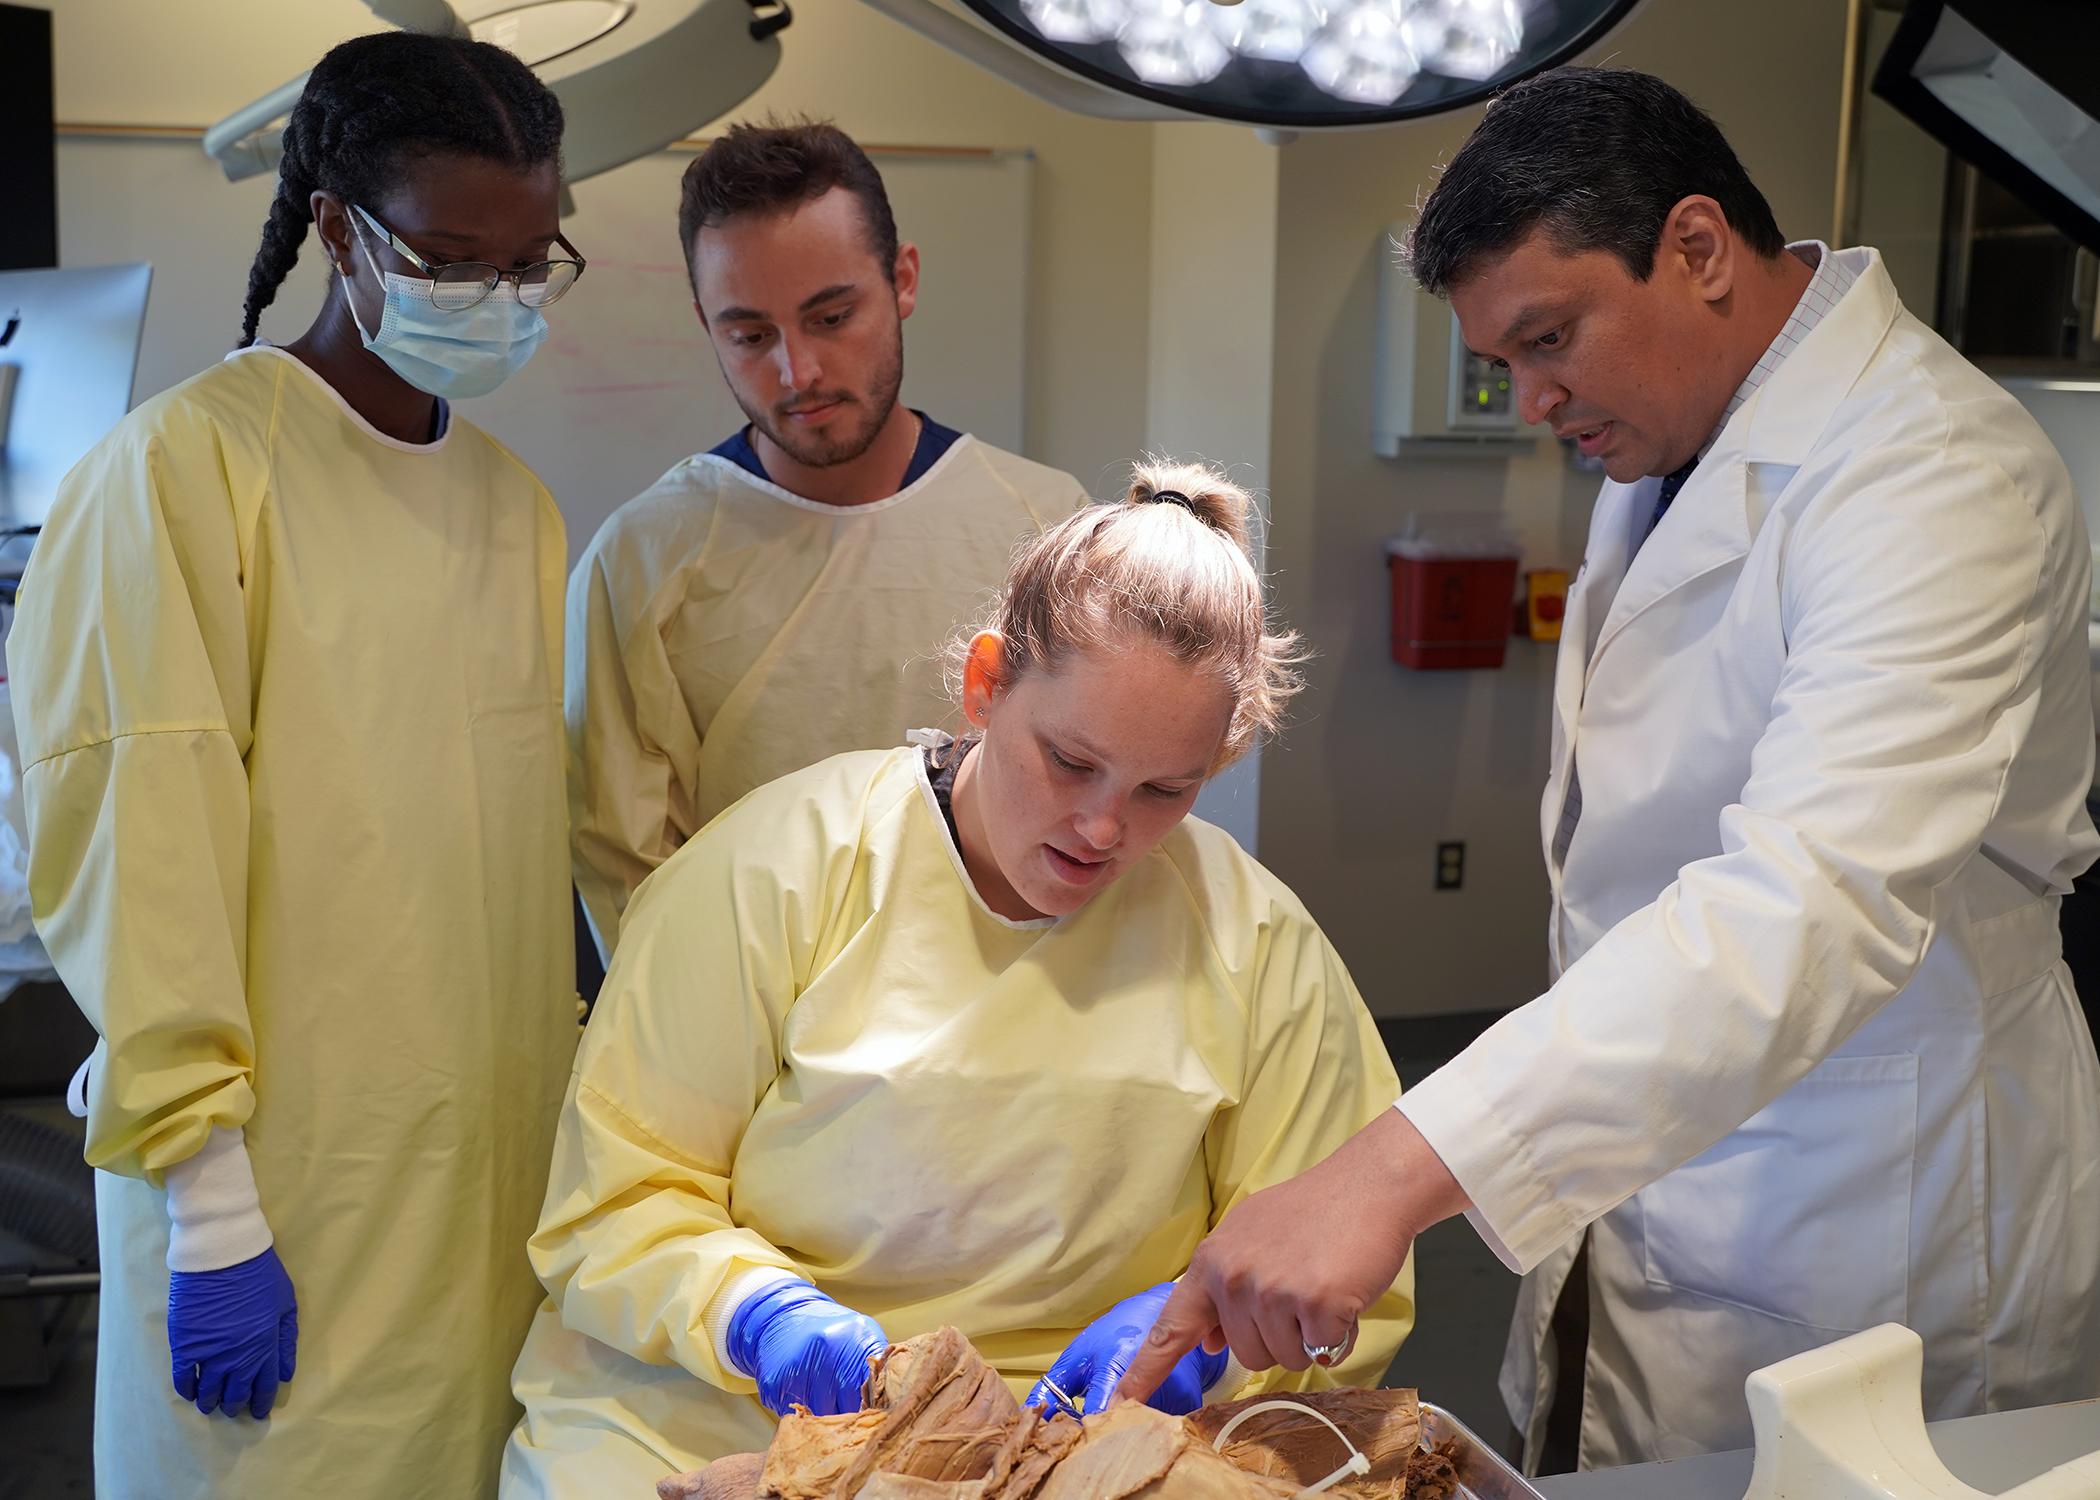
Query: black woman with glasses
x,y
287,671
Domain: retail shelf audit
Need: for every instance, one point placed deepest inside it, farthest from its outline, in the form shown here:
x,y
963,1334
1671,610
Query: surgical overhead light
x,y
1296,64
1363,55
632,75
1466,38
1273,30
1169,42
1075,20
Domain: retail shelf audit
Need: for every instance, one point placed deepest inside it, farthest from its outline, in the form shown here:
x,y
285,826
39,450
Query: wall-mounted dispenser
x,y
1430,394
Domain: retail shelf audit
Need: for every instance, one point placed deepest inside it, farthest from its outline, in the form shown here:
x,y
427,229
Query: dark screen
x,y
28,159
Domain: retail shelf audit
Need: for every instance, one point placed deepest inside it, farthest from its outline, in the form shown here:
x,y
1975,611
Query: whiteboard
x,y
627,383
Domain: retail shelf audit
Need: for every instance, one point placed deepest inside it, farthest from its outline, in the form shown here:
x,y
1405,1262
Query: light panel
x,y
1304,64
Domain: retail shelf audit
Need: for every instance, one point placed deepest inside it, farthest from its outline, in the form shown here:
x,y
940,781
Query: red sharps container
x,y
1451,599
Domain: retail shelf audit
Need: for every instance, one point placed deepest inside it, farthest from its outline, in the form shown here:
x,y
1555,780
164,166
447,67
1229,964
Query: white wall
x,y
1213,341
183,62
1901,175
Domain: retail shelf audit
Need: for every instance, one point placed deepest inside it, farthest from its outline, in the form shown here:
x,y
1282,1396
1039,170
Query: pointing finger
x,y
1189,1317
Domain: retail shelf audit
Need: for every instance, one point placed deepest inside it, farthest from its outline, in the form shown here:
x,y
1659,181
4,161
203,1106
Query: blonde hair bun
x,y
1171,563
1204,492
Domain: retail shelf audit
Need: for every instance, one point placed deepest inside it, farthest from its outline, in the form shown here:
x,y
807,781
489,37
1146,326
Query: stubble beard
x,y
818,450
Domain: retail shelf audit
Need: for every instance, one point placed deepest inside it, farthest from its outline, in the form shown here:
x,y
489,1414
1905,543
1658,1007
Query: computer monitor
x,y
69,349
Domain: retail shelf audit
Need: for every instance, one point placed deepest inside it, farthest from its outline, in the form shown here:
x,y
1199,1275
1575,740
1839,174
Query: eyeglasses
x,y
460,284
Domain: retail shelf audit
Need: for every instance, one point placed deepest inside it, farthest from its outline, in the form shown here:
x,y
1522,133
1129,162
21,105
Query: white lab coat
x,y
1811,1061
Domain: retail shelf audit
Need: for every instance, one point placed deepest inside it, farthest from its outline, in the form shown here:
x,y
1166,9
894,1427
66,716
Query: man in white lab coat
x,y
1811,1060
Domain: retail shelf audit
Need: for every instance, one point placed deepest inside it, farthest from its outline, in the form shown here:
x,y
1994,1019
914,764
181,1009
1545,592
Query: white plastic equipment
x,y
632,75
1430,394
1846,1422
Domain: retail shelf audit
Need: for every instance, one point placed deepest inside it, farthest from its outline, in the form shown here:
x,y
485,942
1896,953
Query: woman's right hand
x,y
1092,1364
804,1349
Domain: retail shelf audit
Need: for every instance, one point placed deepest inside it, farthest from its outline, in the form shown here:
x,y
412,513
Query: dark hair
x,y
377,102
1597,158
775,167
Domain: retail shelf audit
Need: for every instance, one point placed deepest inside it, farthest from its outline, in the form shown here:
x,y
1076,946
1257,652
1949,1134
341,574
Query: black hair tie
x,y
1174,497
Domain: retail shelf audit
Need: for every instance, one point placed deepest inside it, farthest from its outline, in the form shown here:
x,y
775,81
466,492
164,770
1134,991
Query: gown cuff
x,y
721,1312
215,1216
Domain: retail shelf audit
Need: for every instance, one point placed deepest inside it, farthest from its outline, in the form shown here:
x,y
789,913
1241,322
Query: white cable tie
x,y
1357,1464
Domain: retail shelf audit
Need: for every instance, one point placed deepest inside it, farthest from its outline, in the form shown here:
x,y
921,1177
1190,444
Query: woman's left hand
x,y
1093,1363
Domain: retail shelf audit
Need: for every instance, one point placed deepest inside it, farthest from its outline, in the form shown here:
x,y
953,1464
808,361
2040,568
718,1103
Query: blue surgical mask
x,y
453,355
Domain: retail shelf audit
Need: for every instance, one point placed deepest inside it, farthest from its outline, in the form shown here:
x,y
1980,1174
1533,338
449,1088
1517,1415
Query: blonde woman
x,y
990,1035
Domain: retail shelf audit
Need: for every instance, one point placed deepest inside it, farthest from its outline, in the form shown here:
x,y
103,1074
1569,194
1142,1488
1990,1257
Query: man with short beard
x,y
768,603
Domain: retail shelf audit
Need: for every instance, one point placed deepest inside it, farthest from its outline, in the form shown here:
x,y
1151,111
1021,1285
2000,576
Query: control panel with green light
x,y
1429,394
1482,399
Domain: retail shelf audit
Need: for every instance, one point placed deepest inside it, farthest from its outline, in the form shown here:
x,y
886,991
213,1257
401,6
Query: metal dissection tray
x,y
1483,1474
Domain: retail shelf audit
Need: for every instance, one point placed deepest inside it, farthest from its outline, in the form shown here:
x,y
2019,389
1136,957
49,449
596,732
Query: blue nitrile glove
x,y
1094,1362
803,1348
233,1334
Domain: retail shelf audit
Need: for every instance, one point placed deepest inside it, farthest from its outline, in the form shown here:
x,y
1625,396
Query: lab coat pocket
x,y
1803,1213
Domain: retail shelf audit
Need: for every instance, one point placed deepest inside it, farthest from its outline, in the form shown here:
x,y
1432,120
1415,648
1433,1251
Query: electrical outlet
x,y
1451,865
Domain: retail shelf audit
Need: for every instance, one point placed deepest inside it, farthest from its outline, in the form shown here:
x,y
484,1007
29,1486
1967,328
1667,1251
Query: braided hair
x,y
376,103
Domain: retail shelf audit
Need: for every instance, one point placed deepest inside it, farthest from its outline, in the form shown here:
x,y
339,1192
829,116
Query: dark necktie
x,y
1672,483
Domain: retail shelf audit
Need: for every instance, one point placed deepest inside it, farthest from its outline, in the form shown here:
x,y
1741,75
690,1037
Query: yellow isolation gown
x,y
724,632
290,719
818,1050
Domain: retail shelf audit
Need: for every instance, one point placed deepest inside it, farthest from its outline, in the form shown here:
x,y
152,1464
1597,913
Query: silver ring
x,y
1327,1354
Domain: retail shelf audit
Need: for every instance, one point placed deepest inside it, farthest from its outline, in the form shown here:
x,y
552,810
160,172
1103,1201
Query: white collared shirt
x,y
1830,282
